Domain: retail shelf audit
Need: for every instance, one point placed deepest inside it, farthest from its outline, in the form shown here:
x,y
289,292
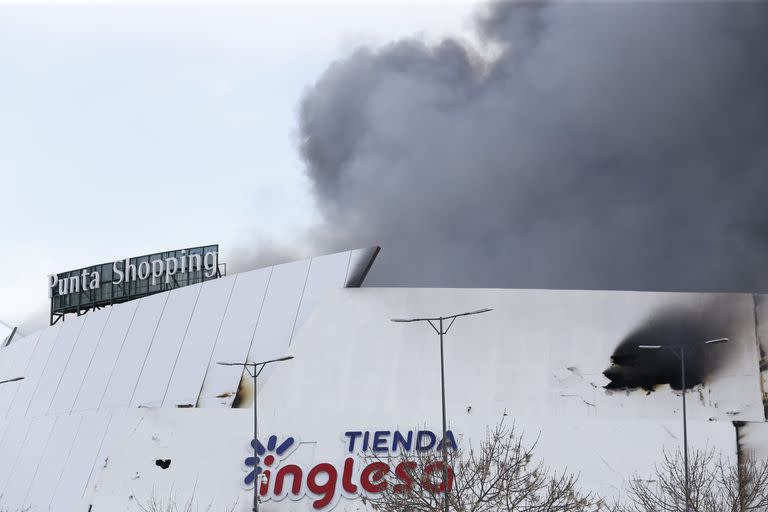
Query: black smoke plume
x,y
679,332
577,145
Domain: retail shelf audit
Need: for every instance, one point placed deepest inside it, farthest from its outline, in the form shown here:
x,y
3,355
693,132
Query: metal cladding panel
x,y
753,440
70,486
122,382
326,273
105,357
54,462
199,342
34,370
212,473
54,368
10,448
237,328
360,262
761,320
79,361
13,363
162,355
27,463
555,345
120,424
279,311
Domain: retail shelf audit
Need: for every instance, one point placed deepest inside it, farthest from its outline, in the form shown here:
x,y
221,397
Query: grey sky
x,y
131,129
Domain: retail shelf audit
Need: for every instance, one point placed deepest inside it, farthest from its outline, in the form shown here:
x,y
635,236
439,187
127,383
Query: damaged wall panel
x,y
516,354
761,332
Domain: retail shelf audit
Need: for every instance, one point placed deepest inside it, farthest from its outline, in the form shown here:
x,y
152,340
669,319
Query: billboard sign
x,y
77,291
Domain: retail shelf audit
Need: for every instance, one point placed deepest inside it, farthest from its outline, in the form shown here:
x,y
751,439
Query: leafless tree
x,y
500,474
716,484
172,504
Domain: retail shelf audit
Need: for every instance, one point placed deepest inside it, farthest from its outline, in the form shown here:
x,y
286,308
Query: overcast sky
x,y
131,129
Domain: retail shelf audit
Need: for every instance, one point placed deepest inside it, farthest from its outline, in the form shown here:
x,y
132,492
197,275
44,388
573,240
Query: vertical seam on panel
x,y
194,490
64,370
216,341
96,457
117,357
29,365
66,460
90,361
7,411
47,360
16,459
5,429
42,456
258,318
256,328
301,301
181,345
149,349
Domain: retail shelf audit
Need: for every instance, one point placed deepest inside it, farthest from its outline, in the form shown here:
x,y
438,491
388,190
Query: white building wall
x,y
85,377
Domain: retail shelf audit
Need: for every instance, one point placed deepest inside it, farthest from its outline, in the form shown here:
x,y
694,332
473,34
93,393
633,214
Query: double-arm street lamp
x,y
437,324
257,369
679,352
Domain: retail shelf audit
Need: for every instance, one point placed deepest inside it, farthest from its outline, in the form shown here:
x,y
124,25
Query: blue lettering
x,y
405,442
365,441
352,436
450,439
380,438
425,434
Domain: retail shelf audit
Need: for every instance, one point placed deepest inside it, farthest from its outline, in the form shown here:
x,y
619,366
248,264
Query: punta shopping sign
x,y
325,482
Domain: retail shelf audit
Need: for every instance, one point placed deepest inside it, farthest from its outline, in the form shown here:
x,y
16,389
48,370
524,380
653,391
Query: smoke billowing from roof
x,y
607,145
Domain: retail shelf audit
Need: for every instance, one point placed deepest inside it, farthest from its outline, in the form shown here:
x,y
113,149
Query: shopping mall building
x,y
121,401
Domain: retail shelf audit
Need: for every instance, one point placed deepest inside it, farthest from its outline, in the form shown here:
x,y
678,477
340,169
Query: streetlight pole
x,y
442,332
681,356
257,369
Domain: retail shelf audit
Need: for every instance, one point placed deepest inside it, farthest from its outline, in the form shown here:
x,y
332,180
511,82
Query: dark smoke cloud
x,y
674,330
607,145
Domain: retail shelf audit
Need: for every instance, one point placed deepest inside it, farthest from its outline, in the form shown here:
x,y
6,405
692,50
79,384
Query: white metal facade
x,y
85,377
106,394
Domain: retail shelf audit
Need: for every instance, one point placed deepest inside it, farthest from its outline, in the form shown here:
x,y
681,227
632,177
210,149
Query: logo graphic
x,y
324,482
267,456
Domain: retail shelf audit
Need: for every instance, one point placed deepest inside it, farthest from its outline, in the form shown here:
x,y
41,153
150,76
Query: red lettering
x,y
346,477
426,480
372,477
325,490
295,472
404,472
265,483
